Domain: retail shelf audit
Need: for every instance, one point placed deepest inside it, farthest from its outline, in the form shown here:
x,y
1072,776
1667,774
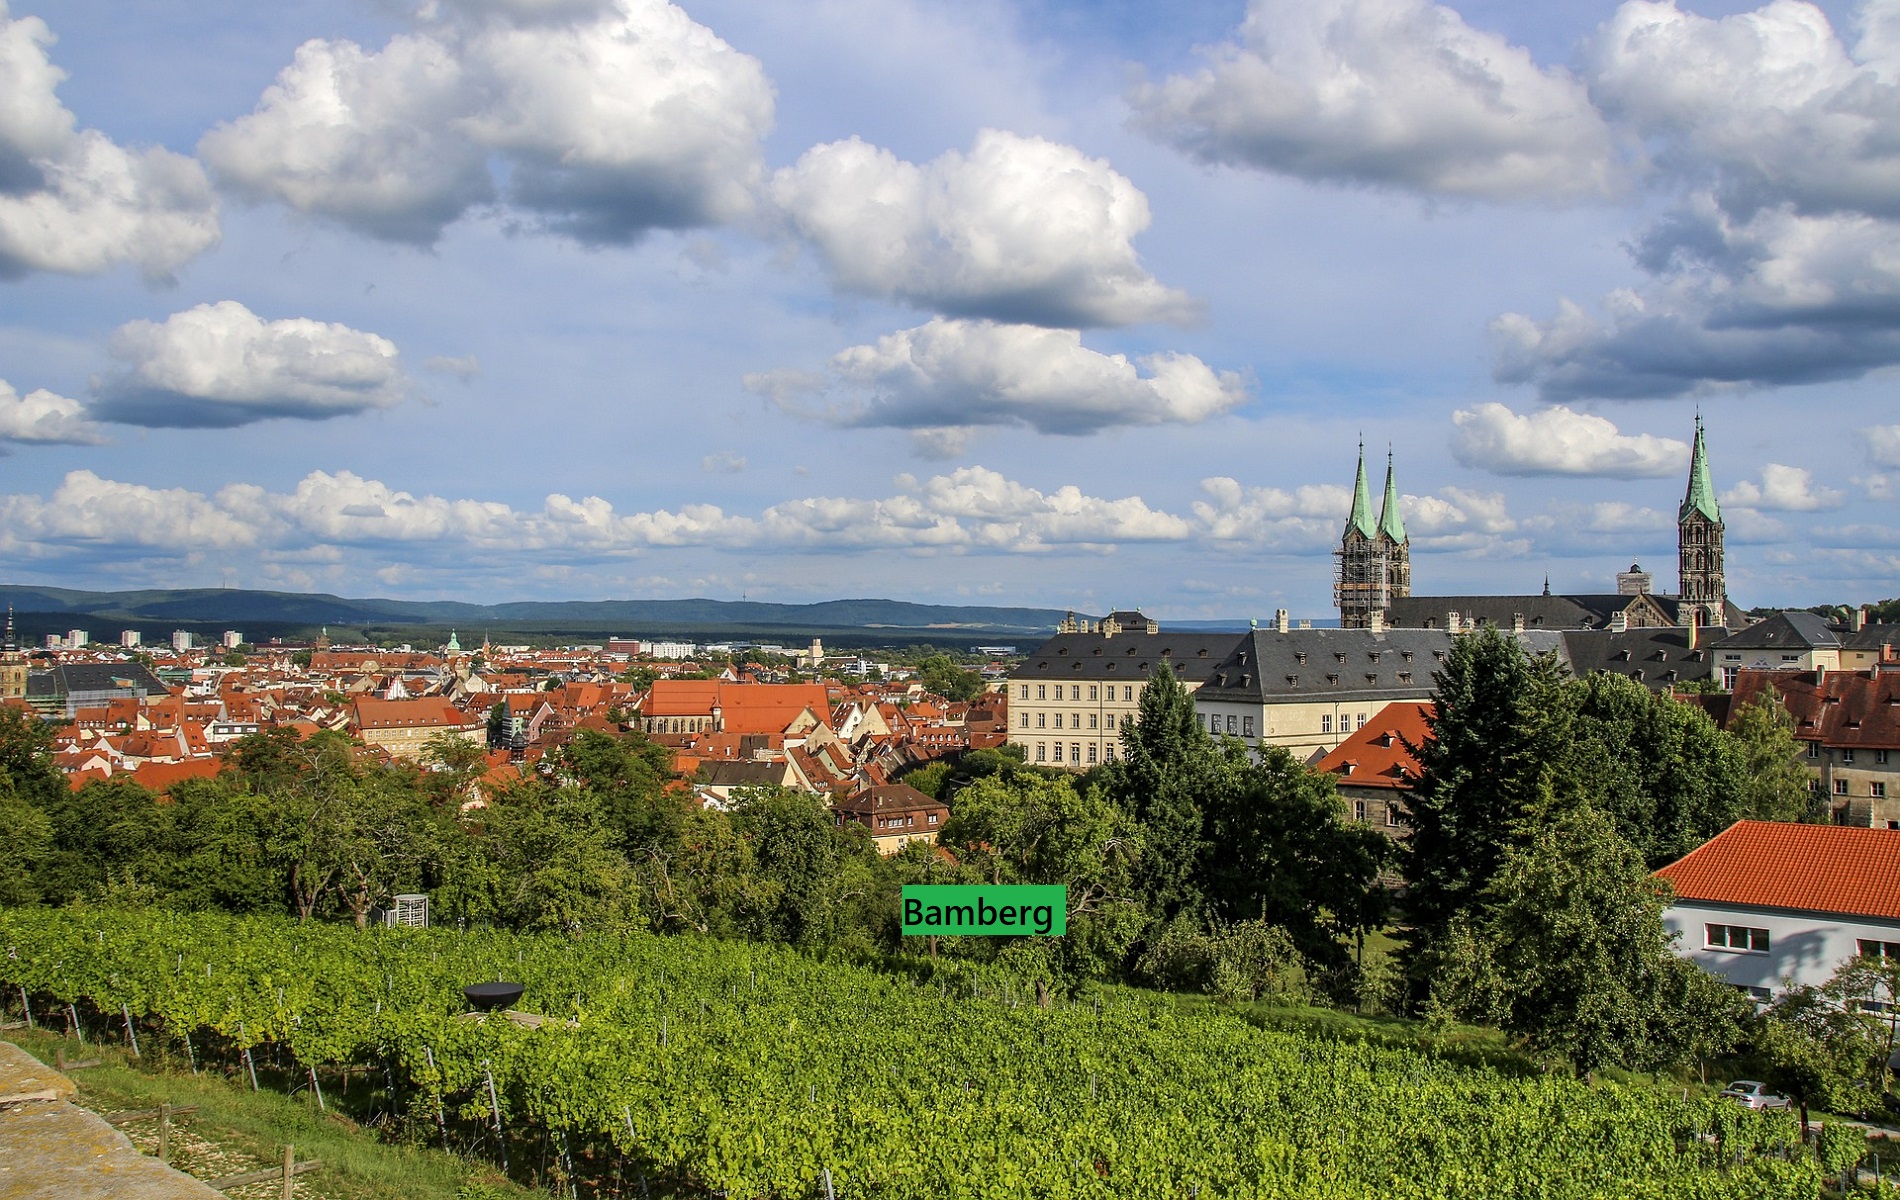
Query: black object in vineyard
x,y
488,997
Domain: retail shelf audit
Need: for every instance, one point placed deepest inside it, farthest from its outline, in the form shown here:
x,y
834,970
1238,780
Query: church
x,y
1372,579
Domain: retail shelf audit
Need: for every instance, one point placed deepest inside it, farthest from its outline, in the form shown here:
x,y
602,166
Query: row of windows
x,y
1847,754
1867,948
903,822
1075,752
1075,691
1245,729
1345,722
1075,721
1876,789
1736,937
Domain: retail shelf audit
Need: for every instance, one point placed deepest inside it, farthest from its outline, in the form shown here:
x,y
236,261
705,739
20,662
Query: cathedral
x,y
1372,578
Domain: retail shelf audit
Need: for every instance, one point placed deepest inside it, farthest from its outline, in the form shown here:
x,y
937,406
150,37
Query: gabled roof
x,y
1783,631
1656,658
1375,755
1814,868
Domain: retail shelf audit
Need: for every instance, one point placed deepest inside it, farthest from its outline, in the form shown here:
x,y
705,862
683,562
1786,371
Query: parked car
x,y
1754,1094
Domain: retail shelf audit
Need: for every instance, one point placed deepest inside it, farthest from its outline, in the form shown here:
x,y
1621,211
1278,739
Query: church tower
x,y
13,665
1704,596
1359,577
1392,539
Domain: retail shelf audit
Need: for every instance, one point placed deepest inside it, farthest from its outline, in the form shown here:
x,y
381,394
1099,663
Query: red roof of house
x,y
1818,868
1375,755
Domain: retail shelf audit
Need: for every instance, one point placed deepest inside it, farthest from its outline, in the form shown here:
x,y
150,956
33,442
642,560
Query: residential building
x,y
1787,641
1069,701
717,706
403,727
1867,645
181,640
1374,769
77,639
1848,725
69,687
1766,905
895,813
232,639
1307,690
129,639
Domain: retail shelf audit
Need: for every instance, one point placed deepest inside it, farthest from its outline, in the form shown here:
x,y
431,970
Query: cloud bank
x,y
1557,441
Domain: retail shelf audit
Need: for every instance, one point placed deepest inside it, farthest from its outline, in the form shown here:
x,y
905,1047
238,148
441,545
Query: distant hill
x,y
280,612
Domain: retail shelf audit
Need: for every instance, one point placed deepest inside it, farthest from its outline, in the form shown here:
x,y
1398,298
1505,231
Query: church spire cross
x,y
1700,498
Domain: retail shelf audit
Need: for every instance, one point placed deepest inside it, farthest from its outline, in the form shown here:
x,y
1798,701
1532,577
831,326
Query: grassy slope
x,y
237,1130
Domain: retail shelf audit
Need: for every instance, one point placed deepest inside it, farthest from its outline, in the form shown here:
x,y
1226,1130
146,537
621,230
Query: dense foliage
x,y
752,1070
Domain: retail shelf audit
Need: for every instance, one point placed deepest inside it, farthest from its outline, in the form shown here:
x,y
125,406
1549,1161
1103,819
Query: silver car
x,y
1754,1094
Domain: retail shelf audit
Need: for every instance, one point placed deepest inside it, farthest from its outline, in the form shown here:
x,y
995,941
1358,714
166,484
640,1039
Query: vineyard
x,y
694,1067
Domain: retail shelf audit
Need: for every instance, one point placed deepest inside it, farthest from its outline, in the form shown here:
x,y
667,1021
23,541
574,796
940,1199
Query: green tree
x,y
1776,787
1169,765
1819,1051
26,846
541,857
796,849
1277,847
633,781
1499,732
1567,949
26,756
939,674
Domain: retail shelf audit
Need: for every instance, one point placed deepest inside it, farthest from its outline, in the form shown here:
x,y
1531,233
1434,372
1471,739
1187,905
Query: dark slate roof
x,y
1873,637
744,774
1583,611
1783,631
130,678
1129,656
1656,658
1395,664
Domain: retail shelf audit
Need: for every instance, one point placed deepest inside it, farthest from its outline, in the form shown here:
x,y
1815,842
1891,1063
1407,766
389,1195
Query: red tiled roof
x,y
1375,755
1819,868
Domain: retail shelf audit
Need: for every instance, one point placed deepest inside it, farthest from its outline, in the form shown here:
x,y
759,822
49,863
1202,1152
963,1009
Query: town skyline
x,y
362,299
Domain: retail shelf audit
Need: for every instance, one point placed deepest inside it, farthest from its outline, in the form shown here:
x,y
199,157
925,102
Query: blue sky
x,y
1048,303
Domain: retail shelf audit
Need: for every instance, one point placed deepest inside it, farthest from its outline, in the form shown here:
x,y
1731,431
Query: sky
x,y
1040,302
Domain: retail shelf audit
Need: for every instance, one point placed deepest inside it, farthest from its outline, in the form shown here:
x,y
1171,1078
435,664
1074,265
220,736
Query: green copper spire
x,y
1701,494
1391,522
1361,518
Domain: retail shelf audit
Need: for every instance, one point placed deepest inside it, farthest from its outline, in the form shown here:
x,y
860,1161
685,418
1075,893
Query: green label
x,y
1014,910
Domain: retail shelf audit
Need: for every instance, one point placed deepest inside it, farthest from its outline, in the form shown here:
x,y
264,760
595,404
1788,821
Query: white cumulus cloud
x,y
1883,444
45,417
606,121
73,201
955,374
222,365
1558,441
1398,93
1783,489
1018,229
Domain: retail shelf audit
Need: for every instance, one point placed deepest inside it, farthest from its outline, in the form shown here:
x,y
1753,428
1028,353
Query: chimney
x,y
1376,622
1695,633
1619,621
1451,621
1517,623
1280,620
1858,621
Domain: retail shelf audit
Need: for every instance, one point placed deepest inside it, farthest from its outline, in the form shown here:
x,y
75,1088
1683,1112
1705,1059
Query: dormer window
x,y
1246,680
1339,655
1203,653
1299,656
1405,677
1374,656
1371,679
1293,681
1333,679
1241,658
1405,655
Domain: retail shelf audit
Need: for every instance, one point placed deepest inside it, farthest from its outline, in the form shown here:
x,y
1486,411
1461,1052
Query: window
x,y
1391,816
1847,755
1736,937
1109,720
933,818
1326,723
1075,691
1042,692
1058,720
1759,994
1359,811
1867,948
1075,752
1042,752
1791,658
1091,720
1091,751
1025,694
1042,720
1880,758
1128,692
1108,752
1025,723
1230,722
1877,790
1246,726
1840,787
1814,749
1091,691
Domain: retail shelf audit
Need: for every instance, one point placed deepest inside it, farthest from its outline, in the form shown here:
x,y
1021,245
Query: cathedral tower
x,y
1703,593
13,664
1392,539
1359,578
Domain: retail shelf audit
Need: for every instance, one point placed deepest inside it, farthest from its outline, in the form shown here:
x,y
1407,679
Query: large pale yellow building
x,y
403,727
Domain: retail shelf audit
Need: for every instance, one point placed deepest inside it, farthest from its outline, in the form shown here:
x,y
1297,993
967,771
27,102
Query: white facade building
x,y
1767,905
129,639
